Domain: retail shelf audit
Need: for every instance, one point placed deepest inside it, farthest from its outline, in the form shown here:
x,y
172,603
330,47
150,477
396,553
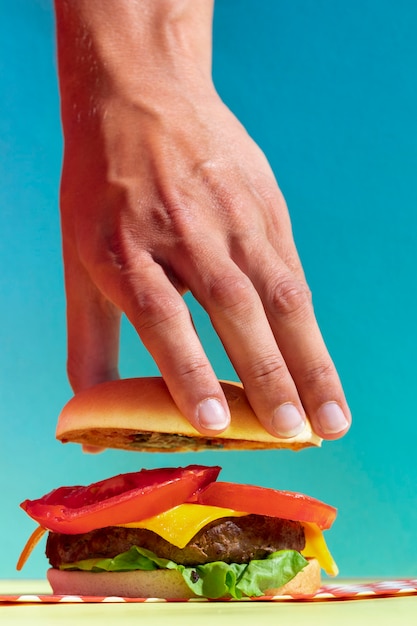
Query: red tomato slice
x,y
263,501
118,500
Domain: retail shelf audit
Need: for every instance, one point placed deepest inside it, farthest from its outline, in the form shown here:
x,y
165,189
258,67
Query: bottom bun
x,y
165,584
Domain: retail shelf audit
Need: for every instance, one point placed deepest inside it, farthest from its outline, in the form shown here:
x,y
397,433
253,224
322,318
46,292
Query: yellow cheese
x,y
180,524
316,547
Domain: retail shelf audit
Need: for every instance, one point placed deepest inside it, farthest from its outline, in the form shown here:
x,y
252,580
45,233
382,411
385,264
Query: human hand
x,y
163,191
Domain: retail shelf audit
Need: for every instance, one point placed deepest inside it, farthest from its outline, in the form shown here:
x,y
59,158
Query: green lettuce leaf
x,y
274,571
134,559
211,580
214,580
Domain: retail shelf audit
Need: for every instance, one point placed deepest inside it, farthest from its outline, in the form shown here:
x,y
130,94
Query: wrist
x,y
132,48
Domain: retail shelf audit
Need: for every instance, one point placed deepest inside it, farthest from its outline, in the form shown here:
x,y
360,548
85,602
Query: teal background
x,y
328,89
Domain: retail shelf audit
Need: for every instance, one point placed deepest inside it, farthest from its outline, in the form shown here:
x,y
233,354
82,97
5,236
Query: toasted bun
x,y
140,414
164,584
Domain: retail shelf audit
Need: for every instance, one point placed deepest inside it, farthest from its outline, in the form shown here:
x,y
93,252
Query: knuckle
x,y
270,370
319,374
101,252
155,308
291,297
194,370
231,291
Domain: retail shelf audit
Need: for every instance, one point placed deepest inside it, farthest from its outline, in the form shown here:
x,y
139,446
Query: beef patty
x,y
230,539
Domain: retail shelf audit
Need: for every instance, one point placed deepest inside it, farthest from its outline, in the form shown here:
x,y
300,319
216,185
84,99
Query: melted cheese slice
x,y
316,547
180,524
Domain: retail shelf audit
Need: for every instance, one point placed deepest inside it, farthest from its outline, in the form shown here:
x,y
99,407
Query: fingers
x,y
93,325
92,330
263,315
288,306
162,320
238,316
267,325
266,322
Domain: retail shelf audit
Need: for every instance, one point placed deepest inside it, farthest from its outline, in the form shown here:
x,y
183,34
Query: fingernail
x,y
331,418
287,420
211,415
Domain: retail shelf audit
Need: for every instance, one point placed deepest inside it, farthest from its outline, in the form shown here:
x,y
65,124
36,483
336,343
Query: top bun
x,y
139,414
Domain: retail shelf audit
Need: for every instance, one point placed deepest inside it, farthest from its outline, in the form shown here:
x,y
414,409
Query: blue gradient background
x,y
328,89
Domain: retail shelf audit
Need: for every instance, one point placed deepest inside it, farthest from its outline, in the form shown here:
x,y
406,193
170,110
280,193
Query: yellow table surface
x,y
388,611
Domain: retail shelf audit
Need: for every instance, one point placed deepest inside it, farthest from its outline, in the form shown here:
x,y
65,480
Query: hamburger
x,y
179,533
139,414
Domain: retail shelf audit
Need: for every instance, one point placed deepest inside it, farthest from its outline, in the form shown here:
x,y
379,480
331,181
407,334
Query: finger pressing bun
x,y
140,414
